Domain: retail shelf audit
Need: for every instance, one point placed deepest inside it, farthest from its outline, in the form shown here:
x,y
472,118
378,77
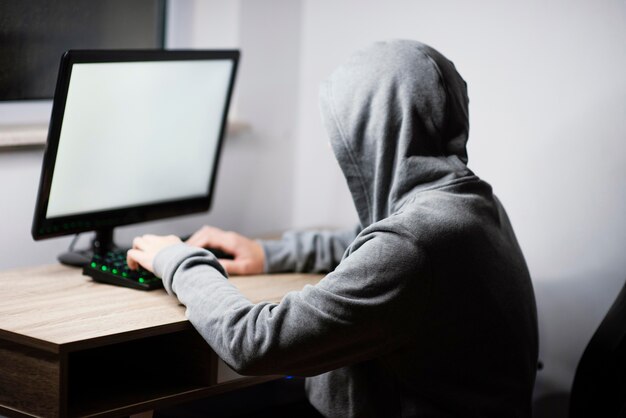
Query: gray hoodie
x,y
427,309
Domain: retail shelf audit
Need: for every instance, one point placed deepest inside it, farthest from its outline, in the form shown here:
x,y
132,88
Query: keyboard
x,y
111,268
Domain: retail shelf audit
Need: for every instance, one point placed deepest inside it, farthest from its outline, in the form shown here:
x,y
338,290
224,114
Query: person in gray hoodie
x,y
427,309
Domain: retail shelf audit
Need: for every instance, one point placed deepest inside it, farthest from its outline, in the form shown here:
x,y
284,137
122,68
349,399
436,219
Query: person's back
x,y
462,339
428,309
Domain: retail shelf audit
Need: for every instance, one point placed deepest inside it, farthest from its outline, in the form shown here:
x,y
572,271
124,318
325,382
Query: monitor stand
x,y
101,243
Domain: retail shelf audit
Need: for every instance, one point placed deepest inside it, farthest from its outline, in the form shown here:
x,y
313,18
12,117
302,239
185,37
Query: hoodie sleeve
x,y
307,251
342,320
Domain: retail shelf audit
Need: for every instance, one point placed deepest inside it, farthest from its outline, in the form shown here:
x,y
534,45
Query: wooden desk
x,y
73,347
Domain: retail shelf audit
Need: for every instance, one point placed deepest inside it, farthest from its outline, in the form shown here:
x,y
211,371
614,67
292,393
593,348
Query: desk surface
x,y
57,309
68,345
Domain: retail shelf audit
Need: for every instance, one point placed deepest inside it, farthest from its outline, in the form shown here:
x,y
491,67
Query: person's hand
x,y
146,247
248,255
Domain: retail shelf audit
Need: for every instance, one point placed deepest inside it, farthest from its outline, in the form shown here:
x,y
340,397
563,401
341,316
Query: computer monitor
x,y
134,136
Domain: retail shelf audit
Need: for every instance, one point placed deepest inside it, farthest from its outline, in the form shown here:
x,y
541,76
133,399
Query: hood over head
x,y
397,116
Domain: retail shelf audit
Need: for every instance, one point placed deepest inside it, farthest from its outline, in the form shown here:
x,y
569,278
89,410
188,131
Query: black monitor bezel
x,y
44,227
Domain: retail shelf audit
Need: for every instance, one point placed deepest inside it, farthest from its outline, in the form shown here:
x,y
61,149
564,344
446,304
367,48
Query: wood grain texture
x,y
66,344
272,287
57,305
57,309
31,381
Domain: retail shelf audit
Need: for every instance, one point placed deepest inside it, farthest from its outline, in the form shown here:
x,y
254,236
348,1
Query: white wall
x,y
254,184
548,126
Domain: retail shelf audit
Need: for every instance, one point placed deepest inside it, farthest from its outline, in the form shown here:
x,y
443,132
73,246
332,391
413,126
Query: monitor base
x,y
77,258
101,243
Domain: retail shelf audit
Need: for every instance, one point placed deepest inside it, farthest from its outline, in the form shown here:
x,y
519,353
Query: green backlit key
x,y
111,268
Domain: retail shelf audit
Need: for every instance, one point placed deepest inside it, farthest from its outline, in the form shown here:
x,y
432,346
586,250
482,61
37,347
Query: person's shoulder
x,y
459,208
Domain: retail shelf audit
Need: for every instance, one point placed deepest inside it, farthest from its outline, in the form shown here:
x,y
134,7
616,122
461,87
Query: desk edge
x,y
61,348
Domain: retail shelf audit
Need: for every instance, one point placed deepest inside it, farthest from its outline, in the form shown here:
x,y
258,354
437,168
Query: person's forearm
x,y
307,251
309,332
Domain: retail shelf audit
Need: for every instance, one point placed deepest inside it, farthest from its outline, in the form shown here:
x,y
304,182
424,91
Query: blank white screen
x,y
136,133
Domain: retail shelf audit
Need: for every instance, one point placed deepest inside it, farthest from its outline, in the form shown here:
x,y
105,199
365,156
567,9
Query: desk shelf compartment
x,y
137,375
